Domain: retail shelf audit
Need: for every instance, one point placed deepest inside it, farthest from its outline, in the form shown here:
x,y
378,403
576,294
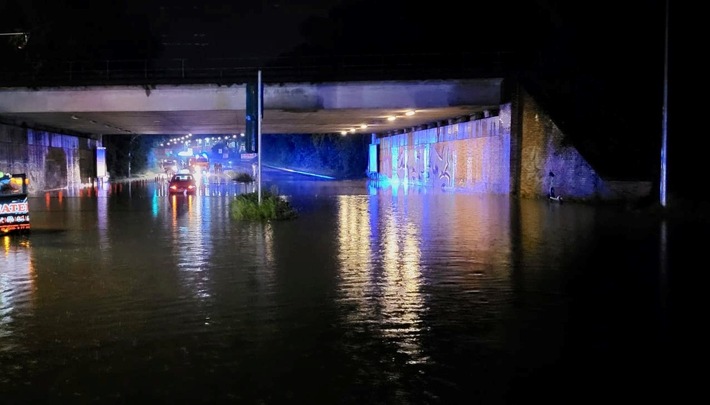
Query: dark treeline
x,y
122,149
343,157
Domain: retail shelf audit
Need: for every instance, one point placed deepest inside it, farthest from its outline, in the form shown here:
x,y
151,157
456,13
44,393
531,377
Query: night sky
x,y
599,65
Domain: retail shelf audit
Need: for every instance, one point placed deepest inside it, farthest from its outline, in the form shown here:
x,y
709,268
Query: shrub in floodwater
x,y
244,177
246,207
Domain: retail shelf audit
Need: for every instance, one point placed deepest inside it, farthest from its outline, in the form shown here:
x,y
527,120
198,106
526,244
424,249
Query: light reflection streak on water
x,y
267,247
663,270
16,285
393,302
355,253
403,301
155,203
258,237
102,219
189,235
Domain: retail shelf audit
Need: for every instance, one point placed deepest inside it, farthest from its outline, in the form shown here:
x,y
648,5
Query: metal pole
x,y
130,154
258,132
664,141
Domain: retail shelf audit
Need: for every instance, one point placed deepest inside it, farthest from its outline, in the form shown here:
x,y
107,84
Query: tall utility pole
x,y
258,130
664,139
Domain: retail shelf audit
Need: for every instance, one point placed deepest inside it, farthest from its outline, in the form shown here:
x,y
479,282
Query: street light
x,y
21,42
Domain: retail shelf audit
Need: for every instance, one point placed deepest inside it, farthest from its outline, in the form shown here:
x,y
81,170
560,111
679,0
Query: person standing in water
x,y
552,194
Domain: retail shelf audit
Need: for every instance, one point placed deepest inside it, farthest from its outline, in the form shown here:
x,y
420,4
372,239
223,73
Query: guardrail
x,y
240,70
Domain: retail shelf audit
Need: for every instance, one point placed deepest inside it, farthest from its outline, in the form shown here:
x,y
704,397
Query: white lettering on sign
x,y
14,208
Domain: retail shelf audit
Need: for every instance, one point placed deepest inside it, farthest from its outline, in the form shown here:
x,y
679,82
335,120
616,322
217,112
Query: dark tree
x,y
126,153
334,155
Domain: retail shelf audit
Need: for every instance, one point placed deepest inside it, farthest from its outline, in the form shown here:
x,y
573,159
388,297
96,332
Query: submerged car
x,y
182,183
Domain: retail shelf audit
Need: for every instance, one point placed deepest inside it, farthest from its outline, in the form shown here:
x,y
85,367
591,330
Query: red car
x,y
183,183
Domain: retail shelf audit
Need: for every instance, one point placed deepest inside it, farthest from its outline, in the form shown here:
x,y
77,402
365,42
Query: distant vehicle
x,y
183,183
200,164
169,166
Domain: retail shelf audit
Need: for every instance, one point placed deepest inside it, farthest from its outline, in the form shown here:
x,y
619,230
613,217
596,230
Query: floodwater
x,y
372,295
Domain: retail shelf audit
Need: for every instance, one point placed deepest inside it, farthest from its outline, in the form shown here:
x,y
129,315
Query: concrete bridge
x,y
364,107
466,134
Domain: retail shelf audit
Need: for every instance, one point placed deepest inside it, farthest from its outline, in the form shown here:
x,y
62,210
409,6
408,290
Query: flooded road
x,y
372,295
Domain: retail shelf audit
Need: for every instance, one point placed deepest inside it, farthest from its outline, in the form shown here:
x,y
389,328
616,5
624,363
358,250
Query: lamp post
x,y
664,137
22,42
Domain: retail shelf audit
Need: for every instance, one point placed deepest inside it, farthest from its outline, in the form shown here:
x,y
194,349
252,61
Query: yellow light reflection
x,y
17,286
402,299
390,293
355,252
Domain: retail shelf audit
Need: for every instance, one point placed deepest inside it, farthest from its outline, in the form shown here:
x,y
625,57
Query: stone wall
x,y
50,160
545,149
511,153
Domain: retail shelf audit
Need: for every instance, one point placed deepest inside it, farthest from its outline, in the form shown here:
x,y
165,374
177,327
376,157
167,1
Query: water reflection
x,y
372,295
102,216
16,287
393,248
403,304
191,244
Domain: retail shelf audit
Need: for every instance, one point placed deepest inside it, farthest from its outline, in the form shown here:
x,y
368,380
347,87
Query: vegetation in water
x,y
273,207
243,177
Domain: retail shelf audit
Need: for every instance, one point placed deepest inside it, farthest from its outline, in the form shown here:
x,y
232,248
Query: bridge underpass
x,y
307,108
463,134
51,121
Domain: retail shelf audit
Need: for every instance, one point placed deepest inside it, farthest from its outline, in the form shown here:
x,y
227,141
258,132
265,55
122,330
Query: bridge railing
x,y
240,70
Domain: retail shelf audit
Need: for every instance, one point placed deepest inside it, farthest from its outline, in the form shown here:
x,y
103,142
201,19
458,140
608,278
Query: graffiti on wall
x,y
442,165
474,156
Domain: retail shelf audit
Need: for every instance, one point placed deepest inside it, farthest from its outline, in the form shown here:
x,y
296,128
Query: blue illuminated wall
x,y
372,159
496,155
471,156
50,160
